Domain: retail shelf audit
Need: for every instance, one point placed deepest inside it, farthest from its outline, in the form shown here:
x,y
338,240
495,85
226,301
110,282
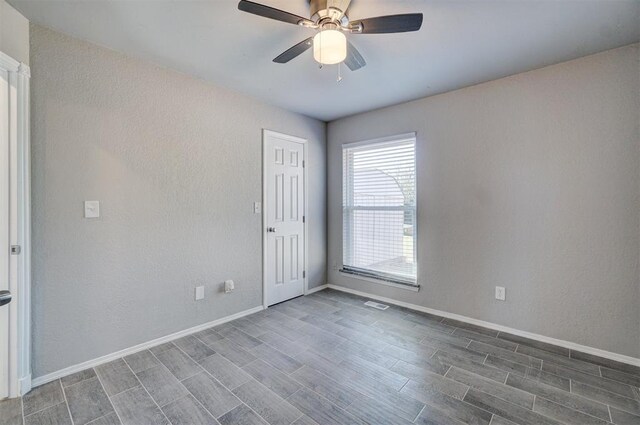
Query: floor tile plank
x,y
232,352
54,415
558,359
193,347
187,411
520,340
320,409
372,412
271,407
135,407
620,417
496,389
74,378
42,397
110,419
565,414
162,385
239,337
595,381
87,401
211,394
510,411
339,394
141,360
276,358
230,375
272,378
564,398
603,396
608,363
11,411
478,368
241,415
178,363
116,377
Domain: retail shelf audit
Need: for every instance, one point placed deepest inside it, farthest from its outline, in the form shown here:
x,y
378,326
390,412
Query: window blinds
x,y
379,209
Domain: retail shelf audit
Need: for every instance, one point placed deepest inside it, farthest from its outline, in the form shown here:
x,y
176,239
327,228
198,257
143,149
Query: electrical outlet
x,y
229,286
501,293
199,293
91,209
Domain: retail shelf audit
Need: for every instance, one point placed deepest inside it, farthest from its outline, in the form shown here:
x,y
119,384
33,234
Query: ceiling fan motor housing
x,y
333,10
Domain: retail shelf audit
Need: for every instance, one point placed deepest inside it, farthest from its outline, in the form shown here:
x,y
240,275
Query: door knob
x,y
271,229
5,297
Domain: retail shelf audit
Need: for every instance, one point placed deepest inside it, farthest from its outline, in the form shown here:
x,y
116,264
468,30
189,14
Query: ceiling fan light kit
x,y
329,47
330,19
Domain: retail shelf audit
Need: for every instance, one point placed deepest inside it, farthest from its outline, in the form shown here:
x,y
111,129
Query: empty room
x,y
320,212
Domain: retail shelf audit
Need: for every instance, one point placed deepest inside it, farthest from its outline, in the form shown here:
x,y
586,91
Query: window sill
x,y
380,282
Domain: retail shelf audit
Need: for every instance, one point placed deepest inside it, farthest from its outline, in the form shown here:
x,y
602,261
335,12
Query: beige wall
x,y
14,33
176,164
530,182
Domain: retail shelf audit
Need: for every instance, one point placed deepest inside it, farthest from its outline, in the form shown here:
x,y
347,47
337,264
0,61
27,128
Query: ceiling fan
x,y
329,18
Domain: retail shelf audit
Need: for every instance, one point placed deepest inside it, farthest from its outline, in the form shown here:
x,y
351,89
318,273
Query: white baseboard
x,y
559,342
316,289
25,385
116,355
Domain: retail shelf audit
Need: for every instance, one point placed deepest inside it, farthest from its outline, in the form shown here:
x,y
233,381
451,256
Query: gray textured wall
x,y
531,182
176,164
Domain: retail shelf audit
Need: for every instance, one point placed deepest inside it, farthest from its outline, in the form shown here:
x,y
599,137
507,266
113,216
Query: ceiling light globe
x,y
329,47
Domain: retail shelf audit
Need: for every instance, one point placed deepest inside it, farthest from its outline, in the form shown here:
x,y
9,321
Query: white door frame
x,y
19,227
265,206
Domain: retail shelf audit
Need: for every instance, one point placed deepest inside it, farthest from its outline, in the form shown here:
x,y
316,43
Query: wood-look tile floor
x,y
328,359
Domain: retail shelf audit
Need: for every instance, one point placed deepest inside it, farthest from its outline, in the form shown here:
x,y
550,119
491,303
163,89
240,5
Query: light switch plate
x,y
199,292
257,207
91,209
500,293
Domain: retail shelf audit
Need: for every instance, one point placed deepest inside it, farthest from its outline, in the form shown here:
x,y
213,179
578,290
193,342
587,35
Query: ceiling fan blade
x,y
354,59
295,51
387,24
272,13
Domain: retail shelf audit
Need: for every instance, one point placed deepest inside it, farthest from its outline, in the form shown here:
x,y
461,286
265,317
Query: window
x,y
379,209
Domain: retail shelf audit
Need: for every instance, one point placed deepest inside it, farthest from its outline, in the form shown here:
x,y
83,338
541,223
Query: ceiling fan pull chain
x,y
339,72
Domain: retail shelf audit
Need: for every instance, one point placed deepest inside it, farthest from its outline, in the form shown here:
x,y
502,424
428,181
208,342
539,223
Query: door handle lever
x,y
5,297
271,229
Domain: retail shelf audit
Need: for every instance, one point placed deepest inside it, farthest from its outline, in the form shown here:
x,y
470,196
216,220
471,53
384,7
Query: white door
x,y
283,217
5,90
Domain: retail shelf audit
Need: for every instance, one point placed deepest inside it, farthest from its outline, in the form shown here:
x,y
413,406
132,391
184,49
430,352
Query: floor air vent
x,y
376,305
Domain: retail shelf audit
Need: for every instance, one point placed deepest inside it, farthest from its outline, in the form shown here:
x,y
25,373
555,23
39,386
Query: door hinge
x,y
16,249
303,219
304,274
302,163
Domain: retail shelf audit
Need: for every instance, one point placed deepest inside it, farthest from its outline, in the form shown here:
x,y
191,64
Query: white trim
x,y
25,384
24,230
380,282
131,350
20,226
295,139
559,342
9,64
316,289
395,138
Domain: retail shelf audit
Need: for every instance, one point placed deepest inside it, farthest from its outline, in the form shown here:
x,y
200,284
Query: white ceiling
x,y
461,43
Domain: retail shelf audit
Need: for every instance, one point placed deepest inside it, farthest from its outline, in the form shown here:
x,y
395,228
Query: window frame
x,y
389,279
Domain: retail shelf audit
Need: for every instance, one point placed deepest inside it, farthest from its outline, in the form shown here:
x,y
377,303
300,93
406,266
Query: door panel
x,y
284,209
